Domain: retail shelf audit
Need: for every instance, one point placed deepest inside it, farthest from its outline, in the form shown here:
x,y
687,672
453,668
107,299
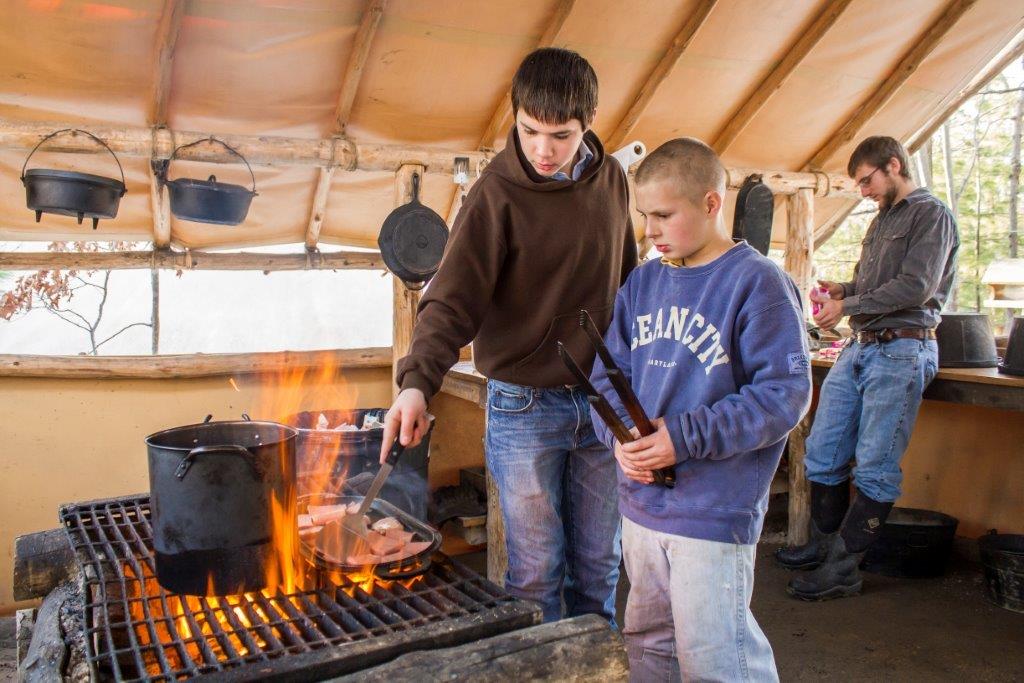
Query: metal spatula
x,y
354,529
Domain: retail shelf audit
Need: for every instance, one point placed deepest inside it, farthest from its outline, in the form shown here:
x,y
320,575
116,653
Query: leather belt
x,y
887,335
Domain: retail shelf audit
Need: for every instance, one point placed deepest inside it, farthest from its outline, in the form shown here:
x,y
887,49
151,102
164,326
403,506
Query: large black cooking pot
x,y
214,486
966,341
412,240
70,193
1013,361
208,201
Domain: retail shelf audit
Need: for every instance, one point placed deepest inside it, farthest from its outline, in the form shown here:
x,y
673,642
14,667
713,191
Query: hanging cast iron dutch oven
x,y
412,240
214,487
208,201
69,193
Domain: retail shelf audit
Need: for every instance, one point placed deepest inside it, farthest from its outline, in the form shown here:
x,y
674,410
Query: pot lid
x,y
210,184
74,176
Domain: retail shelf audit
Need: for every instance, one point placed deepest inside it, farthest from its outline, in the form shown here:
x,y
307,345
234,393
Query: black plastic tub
x,y
913,544
326,459
1002,556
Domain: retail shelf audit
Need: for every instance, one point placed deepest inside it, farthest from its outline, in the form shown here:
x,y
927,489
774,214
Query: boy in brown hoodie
x,y
544,233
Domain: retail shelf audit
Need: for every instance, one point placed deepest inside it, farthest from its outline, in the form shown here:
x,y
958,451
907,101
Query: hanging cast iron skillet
x,y
69,193
412,240
208,201
752,219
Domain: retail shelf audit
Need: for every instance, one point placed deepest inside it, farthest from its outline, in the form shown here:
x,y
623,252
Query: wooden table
x,y
985,387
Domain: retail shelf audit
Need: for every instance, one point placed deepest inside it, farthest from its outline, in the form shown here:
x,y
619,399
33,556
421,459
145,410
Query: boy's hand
x,y
407,419
647,453
631,472
835,290
830,314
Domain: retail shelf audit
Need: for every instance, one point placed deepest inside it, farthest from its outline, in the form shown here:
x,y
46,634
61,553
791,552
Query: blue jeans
x,y
866,410
688,613
557,487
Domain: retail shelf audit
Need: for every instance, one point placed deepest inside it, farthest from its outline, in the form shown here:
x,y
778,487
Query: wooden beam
x,y
789,182
188,365
660,73
163,59
967,93
349,85
809,37
161,212
501,119
188,260
259,150
891,84
357,61
405,299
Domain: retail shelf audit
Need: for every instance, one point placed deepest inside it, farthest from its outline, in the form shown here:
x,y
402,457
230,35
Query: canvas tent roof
x,y
435,75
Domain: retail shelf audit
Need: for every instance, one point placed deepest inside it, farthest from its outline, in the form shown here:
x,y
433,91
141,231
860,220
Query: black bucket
x,y
1002,556
913,544
325,459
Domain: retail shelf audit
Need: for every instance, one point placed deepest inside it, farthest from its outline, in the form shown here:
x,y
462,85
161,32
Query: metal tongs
x,y
667,475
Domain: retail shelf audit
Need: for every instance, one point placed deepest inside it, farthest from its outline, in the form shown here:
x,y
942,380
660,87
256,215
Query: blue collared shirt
x,y
586,157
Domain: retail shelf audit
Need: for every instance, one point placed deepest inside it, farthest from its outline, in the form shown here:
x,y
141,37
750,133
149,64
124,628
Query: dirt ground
x,y
897,630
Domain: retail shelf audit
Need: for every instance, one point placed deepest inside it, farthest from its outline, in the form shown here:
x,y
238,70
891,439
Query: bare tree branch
x,y
126,327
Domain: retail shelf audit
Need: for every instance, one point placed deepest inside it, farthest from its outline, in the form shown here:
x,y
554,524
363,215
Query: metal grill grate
x,y
137,631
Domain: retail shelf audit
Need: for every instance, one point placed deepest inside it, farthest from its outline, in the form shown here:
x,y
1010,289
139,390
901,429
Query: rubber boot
x,y
839,574
828,506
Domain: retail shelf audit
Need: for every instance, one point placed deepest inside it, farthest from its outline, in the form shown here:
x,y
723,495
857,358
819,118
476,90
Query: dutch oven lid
x,y
413,239
211,184
54,174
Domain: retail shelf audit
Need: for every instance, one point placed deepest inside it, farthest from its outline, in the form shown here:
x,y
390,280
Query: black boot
x,y
828,506
839,576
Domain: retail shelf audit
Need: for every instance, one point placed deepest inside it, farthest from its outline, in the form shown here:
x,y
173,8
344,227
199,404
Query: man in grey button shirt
x,y
869,401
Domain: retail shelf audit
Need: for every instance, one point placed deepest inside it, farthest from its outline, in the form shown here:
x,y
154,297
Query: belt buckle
x,y
886,335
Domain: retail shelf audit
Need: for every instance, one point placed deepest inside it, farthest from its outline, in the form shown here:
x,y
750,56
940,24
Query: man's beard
x,y
888,198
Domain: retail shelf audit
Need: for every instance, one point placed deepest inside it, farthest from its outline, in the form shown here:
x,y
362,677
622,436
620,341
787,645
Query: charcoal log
x,y
42,561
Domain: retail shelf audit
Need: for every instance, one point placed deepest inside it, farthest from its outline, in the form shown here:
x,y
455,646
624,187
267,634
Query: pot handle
x,y
227,147
226,449
72,131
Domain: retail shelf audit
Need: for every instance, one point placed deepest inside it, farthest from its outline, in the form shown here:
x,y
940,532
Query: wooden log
x,y
497,551
580,649
357,61
891,83
57,649
405,300
42,560
188,365
259,150
189,260
660,72
799,488
789,182
319,207
800,240
161,207
809,37
163,58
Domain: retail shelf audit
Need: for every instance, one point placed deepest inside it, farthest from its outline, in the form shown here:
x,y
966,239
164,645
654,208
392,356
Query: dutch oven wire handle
x,y
227,147
73,131
225,449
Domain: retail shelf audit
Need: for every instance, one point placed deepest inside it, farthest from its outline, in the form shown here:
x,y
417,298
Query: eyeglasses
x,y
866,180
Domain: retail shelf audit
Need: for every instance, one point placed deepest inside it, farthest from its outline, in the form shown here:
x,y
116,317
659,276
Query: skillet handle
x,y
226,449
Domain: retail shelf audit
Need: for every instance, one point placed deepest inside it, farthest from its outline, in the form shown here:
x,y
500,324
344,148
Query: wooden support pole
x,y
661,71
800,239
188,365
405,299
809,37
891,84
798,263
188,260
319,208
161,213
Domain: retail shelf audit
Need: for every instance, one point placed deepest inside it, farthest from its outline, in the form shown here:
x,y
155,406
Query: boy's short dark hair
x,y
555,86
876,151
692,165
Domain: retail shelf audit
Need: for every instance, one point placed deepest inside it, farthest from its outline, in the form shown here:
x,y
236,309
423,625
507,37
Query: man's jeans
x,y
688,612
557,485
867,409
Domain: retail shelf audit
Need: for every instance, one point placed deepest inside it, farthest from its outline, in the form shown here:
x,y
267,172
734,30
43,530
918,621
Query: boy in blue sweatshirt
x,y
712,339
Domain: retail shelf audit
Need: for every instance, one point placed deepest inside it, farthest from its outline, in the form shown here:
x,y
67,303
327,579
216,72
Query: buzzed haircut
x,y
876,151
689,163
554,86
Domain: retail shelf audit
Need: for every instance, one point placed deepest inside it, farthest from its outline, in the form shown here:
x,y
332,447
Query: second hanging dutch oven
x,y
412,240
208,201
